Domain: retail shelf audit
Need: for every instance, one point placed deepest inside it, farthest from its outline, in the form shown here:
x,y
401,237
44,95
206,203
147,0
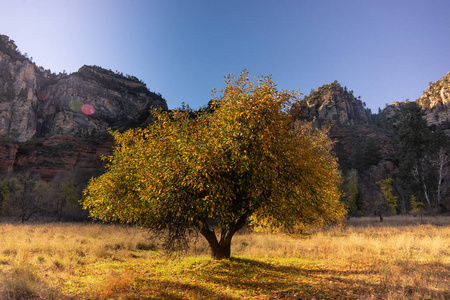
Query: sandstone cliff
x,y
53,122
332,104
435,101
36,103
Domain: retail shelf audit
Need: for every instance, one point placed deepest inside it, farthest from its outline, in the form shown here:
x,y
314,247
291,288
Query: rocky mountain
x,y
435,101
396,145
52,122
350,124
332,104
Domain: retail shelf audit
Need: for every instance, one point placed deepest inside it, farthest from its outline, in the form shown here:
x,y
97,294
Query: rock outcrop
x,y
36,103
8,151
49,156
332,104
435,101
18,100
114,101
50,122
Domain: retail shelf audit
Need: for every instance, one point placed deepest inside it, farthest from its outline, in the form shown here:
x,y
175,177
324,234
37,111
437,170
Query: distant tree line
x,y
26,197
409,177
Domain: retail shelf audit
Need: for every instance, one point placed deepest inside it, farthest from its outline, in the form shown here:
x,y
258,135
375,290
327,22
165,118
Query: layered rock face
x,y
435,101
36,103
115,102
18,101
40,110
332,104
49,156
8,151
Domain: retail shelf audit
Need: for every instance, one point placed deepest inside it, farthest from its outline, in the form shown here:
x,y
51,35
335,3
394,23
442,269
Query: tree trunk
x,y
420,178
221,250
426,194
443,160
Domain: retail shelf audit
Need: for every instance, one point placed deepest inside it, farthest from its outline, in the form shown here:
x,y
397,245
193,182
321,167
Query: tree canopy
x,y
243,160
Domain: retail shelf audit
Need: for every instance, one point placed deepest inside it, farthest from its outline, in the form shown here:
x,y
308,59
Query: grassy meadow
x,y
400,258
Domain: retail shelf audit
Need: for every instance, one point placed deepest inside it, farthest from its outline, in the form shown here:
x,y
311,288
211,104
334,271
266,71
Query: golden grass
x,y
401,258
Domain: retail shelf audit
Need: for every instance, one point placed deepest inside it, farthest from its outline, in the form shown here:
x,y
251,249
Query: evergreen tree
x,y
368,155
414,151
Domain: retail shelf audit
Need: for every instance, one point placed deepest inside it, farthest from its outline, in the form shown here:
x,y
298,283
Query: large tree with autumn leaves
x,y
245,160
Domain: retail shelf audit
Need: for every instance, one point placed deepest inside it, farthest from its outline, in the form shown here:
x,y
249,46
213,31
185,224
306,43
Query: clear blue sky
x,y
384,50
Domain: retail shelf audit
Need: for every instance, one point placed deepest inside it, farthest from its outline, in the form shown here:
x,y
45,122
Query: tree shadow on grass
x,y
308,282
238,277
173,290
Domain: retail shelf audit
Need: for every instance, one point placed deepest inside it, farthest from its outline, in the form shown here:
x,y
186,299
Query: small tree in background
x,y
351,191
414,205
246,160
389,203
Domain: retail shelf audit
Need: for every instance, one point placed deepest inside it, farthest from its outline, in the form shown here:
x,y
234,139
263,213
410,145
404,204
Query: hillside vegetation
x,y
401,258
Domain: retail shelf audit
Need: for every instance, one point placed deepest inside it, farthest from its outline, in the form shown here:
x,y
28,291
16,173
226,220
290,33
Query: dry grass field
x,y
401,258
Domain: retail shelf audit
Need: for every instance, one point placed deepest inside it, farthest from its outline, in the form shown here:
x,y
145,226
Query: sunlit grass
x,y
401,258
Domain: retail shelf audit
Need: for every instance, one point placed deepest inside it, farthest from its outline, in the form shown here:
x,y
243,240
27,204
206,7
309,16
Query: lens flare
x,y
87,109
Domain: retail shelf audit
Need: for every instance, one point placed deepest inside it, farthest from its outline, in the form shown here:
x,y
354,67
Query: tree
x,y
440,159
414,206
423,157
367,155
415,151
244,161
390,201
343,156
351,191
